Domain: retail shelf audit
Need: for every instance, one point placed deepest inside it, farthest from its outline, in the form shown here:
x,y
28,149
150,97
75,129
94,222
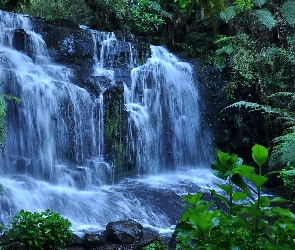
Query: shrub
x,y
155,245
45,230
249,222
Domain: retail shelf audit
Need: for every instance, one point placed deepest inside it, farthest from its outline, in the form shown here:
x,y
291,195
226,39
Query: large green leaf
x,y
200,221
253,211
228,160
220,197
243,169
264,201
192,199
238,181
259,154
222,167
238,196
219,170
279,199
283,212
226,188
257,180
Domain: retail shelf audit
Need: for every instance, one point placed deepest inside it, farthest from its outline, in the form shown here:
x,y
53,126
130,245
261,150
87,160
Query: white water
x,y
163,105
54,156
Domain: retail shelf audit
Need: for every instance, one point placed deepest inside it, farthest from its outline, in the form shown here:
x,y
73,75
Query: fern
x,y
259,3
282,94
228,13
288,12
284,150
265,17
262,108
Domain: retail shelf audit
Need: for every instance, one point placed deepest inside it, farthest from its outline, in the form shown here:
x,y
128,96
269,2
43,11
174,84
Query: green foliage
x,y
155,245
284,145
243,5
45,230
287,174
3,109
283,151
228,13
288,11
75,10
236,52
148,15
265,17
249,223
259,3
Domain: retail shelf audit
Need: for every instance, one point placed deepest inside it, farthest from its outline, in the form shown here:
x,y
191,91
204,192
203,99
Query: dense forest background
x,y
252,42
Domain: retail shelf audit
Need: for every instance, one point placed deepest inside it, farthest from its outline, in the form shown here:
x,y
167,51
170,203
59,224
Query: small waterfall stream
x,y
55,153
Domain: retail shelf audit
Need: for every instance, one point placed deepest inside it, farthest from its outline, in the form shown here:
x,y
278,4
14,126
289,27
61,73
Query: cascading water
x,y
55,157
163,104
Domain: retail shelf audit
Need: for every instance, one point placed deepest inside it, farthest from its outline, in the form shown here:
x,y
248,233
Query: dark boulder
x,y
124,232
92,240
148,237
14,246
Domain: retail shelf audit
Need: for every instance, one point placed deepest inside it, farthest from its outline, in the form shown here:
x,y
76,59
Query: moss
x,y
117,148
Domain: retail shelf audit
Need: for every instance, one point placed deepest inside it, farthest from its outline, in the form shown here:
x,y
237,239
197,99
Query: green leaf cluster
x,y
45,230
155,245
248,222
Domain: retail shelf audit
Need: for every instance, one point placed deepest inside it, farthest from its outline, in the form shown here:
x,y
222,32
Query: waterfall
x,y
56,152
163,105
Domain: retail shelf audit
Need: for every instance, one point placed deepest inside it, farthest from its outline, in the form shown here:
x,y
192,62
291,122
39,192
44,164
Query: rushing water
x,y
54,156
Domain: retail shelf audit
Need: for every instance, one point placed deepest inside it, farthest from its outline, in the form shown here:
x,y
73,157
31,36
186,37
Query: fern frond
x,y
228,13
259,3
282,94
288,12
265,17
284,149
262,108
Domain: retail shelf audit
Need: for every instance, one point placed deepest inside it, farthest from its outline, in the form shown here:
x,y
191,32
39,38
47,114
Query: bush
x,y
45,230
249,222
155,245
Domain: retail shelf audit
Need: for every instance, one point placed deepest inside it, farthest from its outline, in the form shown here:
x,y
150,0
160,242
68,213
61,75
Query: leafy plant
x,y
155,245
45,230
248,222
3,109
148,15
287,174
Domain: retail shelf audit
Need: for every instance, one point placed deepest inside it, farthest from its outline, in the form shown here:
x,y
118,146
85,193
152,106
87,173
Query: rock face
x,y
76,47
124,232
127,234
100,63
92,240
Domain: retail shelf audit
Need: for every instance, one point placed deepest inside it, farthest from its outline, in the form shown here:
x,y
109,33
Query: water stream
x,y
54,156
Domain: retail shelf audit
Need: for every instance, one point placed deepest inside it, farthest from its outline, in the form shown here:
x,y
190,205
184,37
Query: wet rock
x,y
14,246
124,232
77,239
92,240
148,237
